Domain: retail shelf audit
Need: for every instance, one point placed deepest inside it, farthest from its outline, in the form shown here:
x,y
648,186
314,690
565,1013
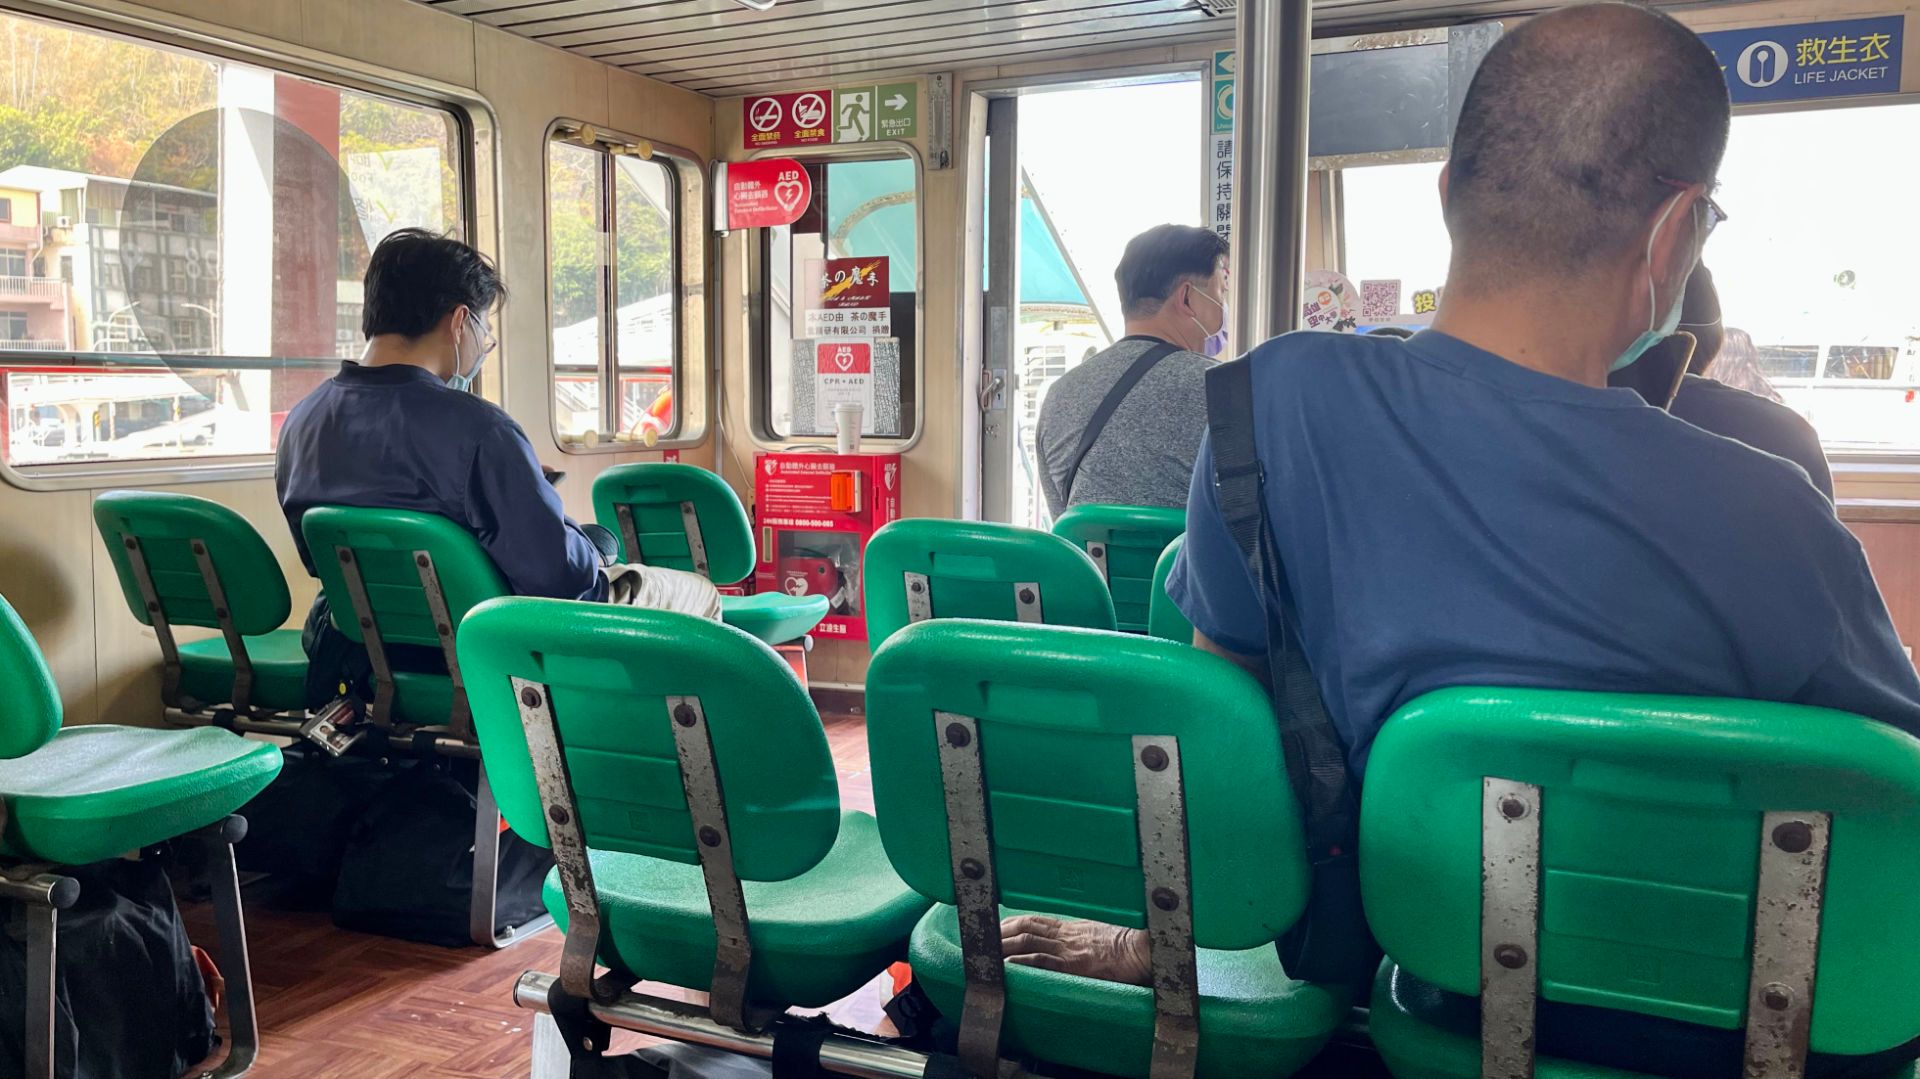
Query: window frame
x,y
759,286
474,126
692,330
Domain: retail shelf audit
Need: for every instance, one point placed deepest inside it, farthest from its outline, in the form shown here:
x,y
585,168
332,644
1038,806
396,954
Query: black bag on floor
x,y
298,828
129,1003
407,870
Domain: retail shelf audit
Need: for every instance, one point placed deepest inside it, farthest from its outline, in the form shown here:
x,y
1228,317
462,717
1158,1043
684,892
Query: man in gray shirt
x,y
1123,427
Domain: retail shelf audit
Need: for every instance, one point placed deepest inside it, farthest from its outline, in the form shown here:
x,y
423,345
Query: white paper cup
x,y
846,420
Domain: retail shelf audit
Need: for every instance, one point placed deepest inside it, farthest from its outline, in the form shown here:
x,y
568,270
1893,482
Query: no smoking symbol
x,y
765,114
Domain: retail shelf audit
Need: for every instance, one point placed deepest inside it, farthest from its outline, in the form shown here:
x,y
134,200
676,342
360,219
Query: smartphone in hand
x,y
1656,376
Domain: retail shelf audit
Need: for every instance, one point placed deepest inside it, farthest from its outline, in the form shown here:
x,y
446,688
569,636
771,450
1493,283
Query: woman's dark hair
x,y
415,277
1738,365
1160,258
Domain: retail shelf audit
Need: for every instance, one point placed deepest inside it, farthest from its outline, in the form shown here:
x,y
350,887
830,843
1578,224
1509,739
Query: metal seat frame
x,y
455,738
42,893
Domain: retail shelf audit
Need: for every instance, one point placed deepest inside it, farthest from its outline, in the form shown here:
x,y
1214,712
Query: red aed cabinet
x,y
815,512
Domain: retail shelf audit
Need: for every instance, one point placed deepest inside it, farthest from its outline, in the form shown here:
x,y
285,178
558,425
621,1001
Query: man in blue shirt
x,y
1475,507
398,430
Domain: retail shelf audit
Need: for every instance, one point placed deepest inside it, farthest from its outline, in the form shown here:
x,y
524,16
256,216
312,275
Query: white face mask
x,y
463,380
1215,341
1664,328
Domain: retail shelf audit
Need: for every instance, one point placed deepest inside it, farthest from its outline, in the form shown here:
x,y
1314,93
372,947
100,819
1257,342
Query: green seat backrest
x,y
1650,833
32,714
1057,710
166,526
384,544
1132,538
971,569
1164,620
609,671
654,491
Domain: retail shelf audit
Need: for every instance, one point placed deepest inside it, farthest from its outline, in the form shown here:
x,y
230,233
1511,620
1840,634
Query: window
x,y
614,230
1861,361
6,211
1391,231
864,217
1788,361
153,189
1813,265
1814,262
13,325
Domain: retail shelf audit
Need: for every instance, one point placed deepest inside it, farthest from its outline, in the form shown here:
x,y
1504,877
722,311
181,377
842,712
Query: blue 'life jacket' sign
x,y
1810,60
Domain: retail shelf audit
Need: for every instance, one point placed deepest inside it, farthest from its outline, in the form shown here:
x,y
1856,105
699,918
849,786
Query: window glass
x,y
841,297
1816,262
1392,232
1788,361
1813,264
209,223
613,226
577,244
643,215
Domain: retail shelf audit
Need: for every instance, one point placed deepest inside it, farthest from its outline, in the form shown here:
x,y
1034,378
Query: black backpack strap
x,y
1331,942
1108,406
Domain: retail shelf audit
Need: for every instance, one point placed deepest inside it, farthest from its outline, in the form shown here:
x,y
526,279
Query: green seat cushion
x,y
425,699
279,670
98,792
816,938
774,617
1254,1020
1419,1037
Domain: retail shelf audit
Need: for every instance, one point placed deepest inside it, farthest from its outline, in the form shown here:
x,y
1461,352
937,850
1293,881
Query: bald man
x,y
1475,507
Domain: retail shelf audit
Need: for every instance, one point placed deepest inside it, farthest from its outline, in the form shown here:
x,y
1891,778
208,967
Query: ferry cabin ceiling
x,y
723,48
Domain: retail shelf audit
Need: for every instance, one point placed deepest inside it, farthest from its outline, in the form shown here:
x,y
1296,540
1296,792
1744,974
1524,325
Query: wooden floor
x,y
340,1005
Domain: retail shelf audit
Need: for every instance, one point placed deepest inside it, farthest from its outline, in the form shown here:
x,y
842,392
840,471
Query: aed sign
x,y
1810,60
760,194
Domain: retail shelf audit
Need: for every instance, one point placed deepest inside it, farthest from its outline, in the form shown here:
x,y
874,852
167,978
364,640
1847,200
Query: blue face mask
x,y
1216,342
463,380
1655,334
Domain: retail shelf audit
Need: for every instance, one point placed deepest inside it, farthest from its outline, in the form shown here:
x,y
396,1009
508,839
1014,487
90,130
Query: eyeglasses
x,y
485,335
1716,216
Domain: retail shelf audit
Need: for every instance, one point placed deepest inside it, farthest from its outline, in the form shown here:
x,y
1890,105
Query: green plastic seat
x,y
825,910
162,528
385,545
85,794
1057,712
395,552
73,796
816,937
649,506
1650,816
773,617
279,670
1125,542
976,569
1164,620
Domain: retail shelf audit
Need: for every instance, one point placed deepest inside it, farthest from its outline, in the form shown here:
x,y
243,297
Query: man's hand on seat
x,y
1088,949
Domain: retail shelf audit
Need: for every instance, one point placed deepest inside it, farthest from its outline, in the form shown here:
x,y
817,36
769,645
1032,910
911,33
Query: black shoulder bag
x,y
1108,406
1331,941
